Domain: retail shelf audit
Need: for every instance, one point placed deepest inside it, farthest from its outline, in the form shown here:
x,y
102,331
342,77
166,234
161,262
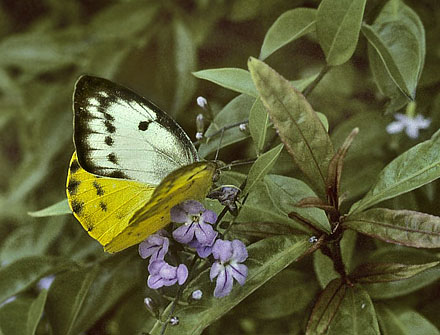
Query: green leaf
x,y
59,208
66,298
324,269
412,169
343,309
323,120
289,26
355,315
385,272
275,198
235,111
258,124
262,167
298,125
338,23
185,62
20,275
35,312
274,299
238,80
402,58
409,256
326,307
266,259
409,228
30,239
255,231
394,321
22,315
78,299
108,26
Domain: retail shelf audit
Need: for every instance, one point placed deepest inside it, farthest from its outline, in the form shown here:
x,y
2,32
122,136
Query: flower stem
x,y
220,131
178,295
314,83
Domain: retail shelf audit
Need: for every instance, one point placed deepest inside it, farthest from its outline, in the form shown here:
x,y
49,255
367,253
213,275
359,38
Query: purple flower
x,y
163,274
202,250
196,221
155,245
229,255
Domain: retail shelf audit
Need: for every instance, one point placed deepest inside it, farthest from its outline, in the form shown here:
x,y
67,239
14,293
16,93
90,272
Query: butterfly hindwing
x,y
102,205
189,182
119,134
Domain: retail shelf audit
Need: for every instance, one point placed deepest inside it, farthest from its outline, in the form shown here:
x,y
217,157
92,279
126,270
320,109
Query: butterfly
x,y
132,163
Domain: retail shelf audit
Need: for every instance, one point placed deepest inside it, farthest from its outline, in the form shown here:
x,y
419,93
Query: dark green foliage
x,y
342,228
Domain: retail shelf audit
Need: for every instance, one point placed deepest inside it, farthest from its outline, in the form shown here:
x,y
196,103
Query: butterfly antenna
x,y
238,163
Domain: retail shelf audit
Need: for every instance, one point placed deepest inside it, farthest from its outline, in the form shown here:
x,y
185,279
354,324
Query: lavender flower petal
x,y
222,250
209,216
239,253
239,272
224,284
184,234
182,273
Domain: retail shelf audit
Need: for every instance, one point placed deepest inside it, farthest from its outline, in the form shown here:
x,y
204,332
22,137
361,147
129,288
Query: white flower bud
x,y
202,102
197,295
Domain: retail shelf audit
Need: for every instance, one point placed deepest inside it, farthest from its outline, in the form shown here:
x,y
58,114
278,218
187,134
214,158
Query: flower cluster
x,y
196,231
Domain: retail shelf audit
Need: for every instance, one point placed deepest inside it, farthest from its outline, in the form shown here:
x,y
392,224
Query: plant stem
x,y
314,83
176,299
233,125
337,260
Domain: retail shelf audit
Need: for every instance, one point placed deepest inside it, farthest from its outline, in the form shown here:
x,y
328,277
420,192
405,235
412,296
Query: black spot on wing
x,y
112,158
108,117
98,187
89,228
103,206
74,166
143,125
73,186
109,126
109,141
77,207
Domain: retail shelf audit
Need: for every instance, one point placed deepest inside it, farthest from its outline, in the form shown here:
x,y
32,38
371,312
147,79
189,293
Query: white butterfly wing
x,y
121,135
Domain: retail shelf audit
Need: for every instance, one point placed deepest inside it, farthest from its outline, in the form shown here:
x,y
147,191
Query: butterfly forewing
x,y
119,134
102,205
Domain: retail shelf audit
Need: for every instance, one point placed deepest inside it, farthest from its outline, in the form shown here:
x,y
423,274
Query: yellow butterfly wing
x,y
102,205
188,182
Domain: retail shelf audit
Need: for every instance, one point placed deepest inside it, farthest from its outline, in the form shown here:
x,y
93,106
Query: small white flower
x,y
411,125
242,126
202,102
197,295
199,136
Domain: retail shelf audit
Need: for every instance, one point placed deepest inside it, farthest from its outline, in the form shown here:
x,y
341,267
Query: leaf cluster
x,y
341,219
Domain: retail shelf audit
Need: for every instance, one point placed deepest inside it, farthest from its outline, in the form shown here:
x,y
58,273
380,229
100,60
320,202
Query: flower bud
x,y
202,102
